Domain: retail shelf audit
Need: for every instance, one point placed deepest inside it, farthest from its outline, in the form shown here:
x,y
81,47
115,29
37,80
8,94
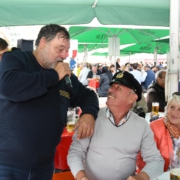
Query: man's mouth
x,y
110,96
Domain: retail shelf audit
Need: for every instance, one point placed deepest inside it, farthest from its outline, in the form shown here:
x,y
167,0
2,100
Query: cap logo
x,y
120,75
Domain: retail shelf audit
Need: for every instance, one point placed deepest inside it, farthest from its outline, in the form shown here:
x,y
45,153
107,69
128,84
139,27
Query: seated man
x,y
156,91
118,137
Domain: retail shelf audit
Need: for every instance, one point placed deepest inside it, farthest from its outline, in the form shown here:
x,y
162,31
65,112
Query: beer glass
x,y
155,108
94,76
71,119
97,77
175,166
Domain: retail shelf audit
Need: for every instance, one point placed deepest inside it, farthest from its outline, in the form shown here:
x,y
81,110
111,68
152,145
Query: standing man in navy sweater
x,y
34,100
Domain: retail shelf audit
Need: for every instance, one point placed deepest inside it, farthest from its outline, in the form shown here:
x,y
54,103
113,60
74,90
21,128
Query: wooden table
x,y
60,159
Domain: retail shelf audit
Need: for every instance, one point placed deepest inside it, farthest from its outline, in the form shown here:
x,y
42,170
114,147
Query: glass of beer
x,y
71,119
155,108
175,166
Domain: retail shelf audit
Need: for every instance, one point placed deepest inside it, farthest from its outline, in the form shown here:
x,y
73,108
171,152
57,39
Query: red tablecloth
x,y
60,160
94,83
63,176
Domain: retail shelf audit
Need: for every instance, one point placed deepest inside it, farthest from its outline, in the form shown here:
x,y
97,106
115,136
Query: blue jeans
x,y
17,173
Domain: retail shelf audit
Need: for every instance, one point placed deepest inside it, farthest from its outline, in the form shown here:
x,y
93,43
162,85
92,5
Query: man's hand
x,y
140,176
85,126
81,175
62,69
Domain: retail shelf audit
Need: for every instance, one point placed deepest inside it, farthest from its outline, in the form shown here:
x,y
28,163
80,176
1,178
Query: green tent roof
x,y
71,12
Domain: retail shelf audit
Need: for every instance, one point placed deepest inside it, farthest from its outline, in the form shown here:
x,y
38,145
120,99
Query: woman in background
x,y
167,132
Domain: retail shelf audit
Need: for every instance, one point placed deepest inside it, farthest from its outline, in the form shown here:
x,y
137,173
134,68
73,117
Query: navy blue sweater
x,y
33,109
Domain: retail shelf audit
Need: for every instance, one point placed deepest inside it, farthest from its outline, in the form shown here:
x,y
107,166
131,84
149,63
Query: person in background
x,y
118,67
99,68
151,64
118,137
89,66
105,79
78,70
139,68
136,73
147,77
155,69
130,66
125,67
3,47
72,63
160,65
93,73
156,91
167,132
34,100
112,70
83,73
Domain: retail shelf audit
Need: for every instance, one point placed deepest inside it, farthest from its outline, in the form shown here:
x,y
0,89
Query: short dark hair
x,y
50,31
3,44
112,66
135,65
104,69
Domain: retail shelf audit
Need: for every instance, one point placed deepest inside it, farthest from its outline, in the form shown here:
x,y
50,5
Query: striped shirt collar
x,y
110,117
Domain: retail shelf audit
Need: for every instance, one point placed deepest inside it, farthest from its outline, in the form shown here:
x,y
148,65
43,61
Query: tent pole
x,y
114,40
85,57
155,56
172,78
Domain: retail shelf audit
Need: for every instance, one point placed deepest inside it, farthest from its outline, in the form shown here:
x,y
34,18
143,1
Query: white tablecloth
x,y
147,118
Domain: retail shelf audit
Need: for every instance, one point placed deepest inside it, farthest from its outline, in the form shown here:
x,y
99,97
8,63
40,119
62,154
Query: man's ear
x,y
134,97
42,43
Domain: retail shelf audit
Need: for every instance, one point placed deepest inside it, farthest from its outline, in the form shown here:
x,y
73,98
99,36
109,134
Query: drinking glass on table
x,y
175,166
94,76
155,108
71,119
97,77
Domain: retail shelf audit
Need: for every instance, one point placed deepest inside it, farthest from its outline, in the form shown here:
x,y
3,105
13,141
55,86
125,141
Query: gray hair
x,y
175,99
159,73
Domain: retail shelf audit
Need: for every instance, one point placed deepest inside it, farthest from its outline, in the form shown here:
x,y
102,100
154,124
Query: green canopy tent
x,y
90,47
69,12
162,48
92,38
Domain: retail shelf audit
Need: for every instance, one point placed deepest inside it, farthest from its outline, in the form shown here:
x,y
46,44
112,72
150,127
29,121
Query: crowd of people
x,y
150,77
165,130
